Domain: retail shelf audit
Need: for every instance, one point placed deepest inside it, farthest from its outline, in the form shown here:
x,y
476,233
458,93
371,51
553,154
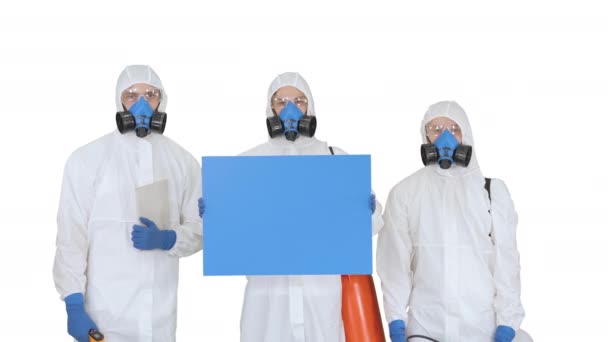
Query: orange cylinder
x,y
360,310
95,336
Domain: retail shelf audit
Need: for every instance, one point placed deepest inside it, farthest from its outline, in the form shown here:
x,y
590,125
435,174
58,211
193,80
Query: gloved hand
x,y
504,334
79,323
150,237
372,203
201,207
396,329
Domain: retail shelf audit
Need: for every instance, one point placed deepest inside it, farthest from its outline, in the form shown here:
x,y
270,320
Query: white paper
x,y
153,202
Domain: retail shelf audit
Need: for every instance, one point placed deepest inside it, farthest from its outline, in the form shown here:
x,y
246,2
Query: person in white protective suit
x,y
117,272
294,308
447,255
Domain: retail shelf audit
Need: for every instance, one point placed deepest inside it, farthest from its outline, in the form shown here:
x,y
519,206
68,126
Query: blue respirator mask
x,y
142,118
446,151
291,122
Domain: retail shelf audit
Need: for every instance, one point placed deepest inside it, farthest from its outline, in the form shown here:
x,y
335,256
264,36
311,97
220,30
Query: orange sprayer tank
x,y
360,310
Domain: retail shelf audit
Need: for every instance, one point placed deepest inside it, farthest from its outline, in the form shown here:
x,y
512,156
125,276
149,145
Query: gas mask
x,y
141,118
291,122
446,151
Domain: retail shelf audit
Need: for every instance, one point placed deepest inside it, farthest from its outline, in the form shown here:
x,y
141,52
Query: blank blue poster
x,y
281,215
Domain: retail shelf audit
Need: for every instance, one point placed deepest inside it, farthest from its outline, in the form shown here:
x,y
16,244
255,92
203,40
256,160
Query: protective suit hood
x,y
452,110
295,80
134,74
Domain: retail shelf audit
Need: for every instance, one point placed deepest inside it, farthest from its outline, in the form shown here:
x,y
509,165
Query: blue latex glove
x,y
396,330
201,207
372,203
150,237
79,323
504,334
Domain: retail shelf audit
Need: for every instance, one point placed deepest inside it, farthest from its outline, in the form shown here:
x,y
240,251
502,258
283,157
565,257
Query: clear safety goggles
x,y
435,129
131,95
300,101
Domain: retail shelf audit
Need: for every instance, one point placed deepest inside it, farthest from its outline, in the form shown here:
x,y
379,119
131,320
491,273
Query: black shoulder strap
x,y
331,149
487,186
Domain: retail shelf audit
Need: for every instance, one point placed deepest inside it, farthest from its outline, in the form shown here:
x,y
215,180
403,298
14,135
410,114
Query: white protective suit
x,y
130,294
294,308
447,253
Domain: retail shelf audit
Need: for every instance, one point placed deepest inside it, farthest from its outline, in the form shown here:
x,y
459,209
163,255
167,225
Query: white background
x,y
531,75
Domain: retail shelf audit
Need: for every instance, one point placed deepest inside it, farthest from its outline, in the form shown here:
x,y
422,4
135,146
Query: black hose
x,y
422,336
